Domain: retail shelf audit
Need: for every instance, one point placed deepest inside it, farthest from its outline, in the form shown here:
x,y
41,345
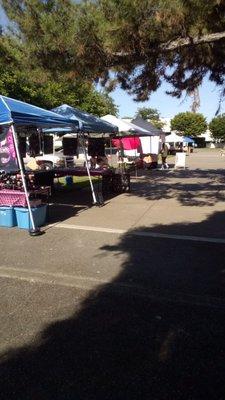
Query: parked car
x,y
56,159
49,161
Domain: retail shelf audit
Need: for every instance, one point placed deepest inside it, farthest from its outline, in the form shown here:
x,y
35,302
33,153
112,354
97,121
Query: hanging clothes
x,y
117,143
96,147
150,144
131,143
146,144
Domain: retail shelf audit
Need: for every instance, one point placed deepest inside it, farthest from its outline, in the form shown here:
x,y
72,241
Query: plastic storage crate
x,y
7,217
23,217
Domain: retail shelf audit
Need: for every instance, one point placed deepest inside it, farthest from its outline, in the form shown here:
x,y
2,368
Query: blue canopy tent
x,y
88,122
188,140
23,114
17,113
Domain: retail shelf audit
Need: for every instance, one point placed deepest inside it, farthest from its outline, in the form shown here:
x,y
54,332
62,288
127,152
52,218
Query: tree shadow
x,y
208,189
70,202
156,331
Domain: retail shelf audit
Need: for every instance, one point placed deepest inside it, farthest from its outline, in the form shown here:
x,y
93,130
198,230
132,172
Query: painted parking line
x,y
140,233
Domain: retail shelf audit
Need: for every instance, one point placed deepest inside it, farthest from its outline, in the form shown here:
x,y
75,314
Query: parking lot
x,y
122,301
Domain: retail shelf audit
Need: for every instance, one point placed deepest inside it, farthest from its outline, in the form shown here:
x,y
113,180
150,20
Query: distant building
x,y
205,139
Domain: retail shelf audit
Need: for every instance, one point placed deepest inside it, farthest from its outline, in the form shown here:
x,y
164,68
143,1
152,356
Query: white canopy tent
x,y
125,127
147,137
174,138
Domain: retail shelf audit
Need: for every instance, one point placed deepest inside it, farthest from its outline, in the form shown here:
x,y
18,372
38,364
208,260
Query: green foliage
x,y
90,39
135,38
40,88
217,127
38,63
189,124
150,114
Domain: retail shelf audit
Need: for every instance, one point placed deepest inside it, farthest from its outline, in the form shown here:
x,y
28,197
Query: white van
x,y
57,158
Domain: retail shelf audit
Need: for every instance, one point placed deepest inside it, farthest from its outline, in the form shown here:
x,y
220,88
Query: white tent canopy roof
x,y
173,137
124,126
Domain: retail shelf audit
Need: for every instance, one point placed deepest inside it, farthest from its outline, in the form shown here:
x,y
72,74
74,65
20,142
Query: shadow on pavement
x,y
68,203
179,185
208,190
155,332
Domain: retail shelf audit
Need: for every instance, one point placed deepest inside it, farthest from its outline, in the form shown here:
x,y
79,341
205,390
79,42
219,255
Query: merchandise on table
x,y
11,181
12,191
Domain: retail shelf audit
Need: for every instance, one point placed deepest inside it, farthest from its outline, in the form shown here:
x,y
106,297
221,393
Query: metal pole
x,y
35,230
110,141
88,170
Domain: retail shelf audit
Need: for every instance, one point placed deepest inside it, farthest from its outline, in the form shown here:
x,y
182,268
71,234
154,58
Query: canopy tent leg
x,y
88,170
110,144
110,141
35,231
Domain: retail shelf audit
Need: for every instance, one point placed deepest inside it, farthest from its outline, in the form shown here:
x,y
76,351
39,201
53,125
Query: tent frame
x,y
35,231
11,123
95,202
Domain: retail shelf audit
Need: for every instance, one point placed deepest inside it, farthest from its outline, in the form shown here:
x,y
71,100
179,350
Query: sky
x,y
165,104
169,106
2,16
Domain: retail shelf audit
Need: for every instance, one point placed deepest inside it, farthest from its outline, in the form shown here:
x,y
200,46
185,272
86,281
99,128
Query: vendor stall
x,y
151,145
92,133
179,143
24,192
138,141
15,186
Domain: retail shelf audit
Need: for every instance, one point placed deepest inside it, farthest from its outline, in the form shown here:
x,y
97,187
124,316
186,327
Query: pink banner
x,y
8,159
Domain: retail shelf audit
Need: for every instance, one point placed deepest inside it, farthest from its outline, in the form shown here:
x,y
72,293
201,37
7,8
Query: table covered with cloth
x,y
10,197
112,181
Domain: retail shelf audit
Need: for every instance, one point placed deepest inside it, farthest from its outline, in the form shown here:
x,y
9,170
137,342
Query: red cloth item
x,y
131,143
117,143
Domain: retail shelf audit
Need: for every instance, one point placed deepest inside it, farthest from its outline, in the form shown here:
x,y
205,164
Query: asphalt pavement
x,y
122,301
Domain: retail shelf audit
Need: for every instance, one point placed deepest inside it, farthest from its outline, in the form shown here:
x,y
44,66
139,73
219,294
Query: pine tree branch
x,y
177,44
184,42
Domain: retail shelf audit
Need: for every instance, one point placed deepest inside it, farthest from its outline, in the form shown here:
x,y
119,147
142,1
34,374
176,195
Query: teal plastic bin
x,y
23,216
7,217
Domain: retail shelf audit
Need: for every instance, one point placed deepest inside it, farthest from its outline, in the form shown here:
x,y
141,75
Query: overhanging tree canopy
x,y
36,59
142,42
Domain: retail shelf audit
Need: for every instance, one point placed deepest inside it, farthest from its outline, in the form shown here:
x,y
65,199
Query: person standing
x,y
164,154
